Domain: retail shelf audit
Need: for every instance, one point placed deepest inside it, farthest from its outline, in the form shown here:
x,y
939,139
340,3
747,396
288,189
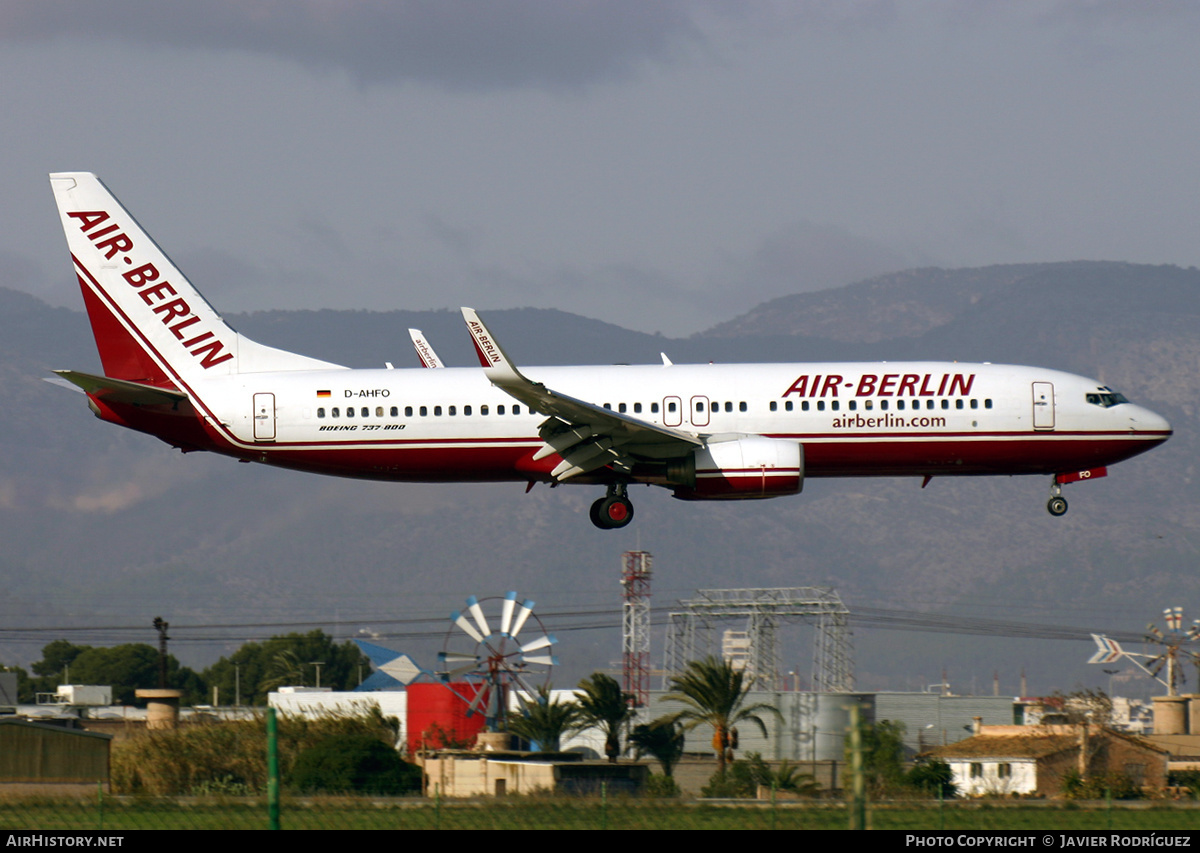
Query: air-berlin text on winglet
x,y
887,385
175,314
487,350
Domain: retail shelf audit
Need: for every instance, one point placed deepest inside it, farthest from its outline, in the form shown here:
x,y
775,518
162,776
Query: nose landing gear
x,y
614,510
1057,505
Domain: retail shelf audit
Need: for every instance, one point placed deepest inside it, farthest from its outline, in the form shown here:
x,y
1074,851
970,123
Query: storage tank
x,y
437,716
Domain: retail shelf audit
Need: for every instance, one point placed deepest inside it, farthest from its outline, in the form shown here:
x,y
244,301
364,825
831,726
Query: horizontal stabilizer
x,y
122,390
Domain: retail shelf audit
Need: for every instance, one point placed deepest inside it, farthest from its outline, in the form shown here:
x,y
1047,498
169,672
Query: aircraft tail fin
x,y
151,325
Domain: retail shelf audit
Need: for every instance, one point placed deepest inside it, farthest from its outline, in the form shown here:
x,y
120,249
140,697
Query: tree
x,y
883,755
661,738
714,692
125,668
255,669
542,721
604,706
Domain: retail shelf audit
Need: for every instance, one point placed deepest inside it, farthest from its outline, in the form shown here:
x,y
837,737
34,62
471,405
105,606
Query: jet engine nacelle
x,y
749,467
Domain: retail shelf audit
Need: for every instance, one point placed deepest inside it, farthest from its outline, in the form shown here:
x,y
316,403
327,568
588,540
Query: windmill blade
x,y
477,614
1174,617
522,614
506,611
462,622
542,660
1152,629
458,658
1194,631
540,643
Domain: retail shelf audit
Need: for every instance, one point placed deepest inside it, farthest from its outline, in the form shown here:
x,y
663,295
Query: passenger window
x,y
606,405
728,406
395,412
853,405
516,410
929,404
437,411
774,406
987,404
637,408
334,412
699,407
974,404
621,408
945,404
883,405
654,408
467,411
900,405
741,407
424,412
500,409
834,405
408,411
671,407
868,404
321,412
958,404
452,411
820,405
365,412
483,410
379,411
349,411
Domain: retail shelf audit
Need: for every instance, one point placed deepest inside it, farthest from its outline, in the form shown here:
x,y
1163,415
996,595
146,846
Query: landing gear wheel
x,y
1057,506
616,511
594,513
611,512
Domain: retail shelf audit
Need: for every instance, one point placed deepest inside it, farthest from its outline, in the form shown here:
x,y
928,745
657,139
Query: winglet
x,y
425,352
499,366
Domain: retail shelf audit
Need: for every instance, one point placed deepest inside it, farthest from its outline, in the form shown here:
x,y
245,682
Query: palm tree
x,y
712,691
542,721
604,706
661,738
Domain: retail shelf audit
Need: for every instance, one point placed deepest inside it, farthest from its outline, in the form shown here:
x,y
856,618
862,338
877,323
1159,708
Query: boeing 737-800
x,y
174,369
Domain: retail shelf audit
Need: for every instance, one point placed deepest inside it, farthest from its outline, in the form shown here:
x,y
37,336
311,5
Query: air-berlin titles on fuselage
x,y
175,314
887,385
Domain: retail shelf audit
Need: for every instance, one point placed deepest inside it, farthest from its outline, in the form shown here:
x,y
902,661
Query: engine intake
x,y
743,468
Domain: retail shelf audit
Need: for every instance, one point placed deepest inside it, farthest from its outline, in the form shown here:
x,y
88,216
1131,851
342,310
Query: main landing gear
x,y
613,510
1057,505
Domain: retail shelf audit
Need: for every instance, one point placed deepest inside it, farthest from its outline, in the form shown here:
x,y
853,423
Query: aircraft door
x,y
699,411
672,411
264,417
1043,405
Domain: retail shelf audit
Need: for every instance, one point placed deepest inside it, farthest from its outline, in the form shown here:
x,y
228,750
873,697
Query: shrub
x,y
353,764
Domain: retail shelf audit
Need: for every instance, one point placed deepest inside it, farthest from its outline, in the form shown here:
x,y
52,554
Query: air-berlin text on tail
x,y
175,313
887,385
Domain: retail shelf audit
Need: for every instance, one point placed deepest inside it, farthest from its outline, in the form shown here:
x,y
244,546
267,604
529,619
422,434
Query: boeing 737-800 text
x,y
174,369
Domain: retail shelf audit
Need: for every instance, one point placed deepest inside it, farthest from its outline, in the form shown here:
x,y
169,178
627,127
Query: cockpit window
x,y
1106,398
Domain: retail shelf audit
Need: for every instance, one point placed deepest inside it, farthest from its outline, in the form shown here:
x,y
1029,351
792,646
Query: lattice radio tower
x,y
636,568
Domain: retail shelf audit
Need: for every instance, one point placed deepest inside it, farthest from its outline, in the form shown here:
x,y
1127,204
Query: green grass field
x,y
119,814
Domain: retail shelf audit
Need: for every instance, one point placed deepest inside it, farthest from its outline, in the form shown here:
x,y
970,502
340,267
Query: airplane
x,y
172,368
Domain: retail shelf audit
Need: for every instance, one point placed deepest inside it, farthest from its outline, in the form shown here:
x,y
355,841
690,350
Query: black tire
x,y
616,512
1057,506
594,514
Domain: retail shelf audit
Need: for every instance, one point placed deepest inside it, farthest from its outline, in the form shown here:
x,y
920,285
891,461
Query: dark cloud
x,y
458,45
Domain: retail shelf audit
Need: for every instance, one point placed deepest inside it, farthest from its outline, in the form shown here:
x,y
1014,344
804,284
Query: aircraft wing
x,y
585,435
122,390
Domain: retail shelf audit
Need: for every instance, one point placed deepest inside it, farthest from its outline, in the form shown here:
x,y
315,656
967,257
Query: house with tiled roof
x,y
1037,760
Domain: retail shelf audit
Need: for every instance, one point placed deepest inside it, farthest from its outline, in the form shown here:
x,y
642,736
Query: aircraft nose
x,y
1144,420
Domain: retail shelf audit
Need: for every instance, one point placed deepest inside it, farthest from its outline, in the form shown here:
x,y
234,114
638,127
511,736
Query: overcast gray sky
x,y
660,165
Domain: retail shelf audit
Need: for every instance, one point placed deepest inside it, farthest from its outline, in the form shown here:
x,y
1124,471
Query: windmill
x,y
1170,653
483,660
